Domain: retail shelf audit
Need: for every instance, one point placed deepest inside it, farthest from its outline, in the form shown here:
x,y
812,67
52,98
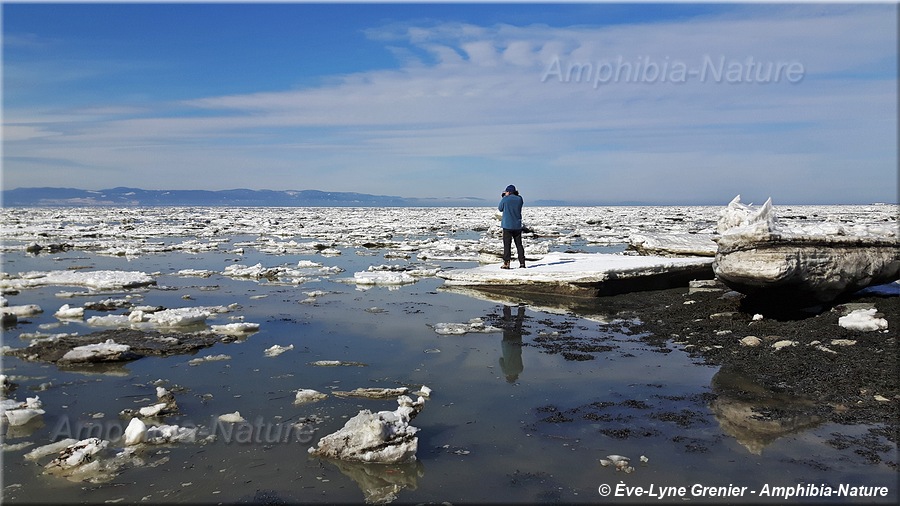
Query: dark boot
x,y
505,265
521,265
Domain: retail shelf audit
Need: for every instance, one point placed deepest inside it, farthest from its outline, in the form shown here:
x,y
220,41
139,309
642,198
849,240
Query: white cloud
x,y
482,96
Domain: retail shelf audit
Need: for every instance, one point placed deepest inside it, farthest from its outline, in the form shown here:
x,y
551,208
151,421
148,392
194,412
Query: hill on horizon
x,y
124,196
136,197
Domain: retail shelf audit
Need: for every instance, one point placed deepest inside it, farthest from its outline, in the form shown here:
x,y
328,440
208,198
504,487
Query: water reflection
x,y
588,308
756,416
382,483
511,346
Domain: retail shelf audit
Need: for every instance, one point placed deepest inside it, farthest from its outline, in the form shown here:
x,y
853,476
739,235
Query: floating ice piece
x,y
107,351
171,434
110,321
49,449
179,317
336,363
373,393
673,244
97,280
307,395
385,437
235,329
22,416
209,358
22,311
150,411
863,320
200,273
67,312
275,350
621,463
20,413
77,454
232,417
383,278
424,391
136,432
165,404
255,271
473,325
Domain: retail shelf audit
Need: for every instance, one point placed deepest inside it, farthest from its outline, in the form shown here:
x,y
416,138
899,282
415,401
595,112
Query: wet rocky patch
x,y
135,344
781,372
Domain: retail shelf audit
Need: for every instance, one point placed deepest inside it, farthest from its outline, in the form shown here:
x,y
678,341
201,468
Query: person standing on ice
x,y
511,207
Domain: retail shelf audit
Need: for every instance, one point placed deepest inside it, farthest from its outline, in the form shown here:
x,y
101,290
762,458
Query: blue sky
x,y
671,103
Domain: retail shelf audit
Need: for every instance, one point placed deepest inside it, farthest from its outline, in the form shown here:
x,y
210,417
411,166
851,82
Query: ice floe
x,y
275,350
308,395
385,437
235,329
66,312
232,417
759,256
97,280
23,311
77,454
107,351
19,413
674,244
583,273
383,278
165,405
373,393
337,363
138,432
209,358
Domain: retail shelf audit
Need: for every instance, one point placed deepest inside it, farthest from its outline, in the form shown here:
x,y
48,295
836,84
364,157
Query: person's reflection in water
x,y
511,361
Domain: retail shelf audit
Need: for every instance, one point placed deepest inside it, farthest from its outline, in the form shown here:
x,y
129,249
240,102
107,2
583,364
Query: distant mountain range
x,y
122,196
32,197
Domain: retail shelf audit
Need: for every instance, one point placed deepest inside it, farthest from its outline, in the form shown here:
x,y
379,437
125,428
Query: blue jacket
x,y
511,205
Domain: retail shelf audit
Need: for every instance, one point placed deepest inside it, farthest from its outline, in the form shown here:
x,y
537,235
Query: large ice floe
x,y
818,263
385,437
96,280
586,274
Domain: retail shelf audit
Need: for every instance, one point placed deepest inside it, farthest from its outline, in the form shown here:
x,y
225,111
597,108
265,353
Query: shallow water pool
x,y
507,421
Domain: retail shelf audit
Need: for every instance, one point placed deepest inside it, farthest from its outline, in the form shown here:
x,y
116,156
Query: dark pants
x,y
508,237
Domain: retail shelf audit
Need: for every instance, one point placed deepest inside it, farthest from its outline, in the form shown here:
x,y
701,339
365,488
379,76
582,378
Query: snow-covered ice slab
x,y
760,257
585,274
96,280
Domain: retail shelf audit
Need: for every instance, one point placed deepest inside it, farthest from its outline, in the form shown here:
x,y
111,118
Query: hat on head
x,y
510,188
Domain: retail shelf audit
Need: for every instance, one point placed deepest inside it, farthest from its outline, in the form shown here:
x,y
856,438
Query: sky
x,y
596,103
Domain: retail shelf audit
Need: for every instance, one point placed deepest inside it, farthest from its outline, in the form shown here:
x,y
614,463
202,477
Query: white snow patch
x,y
863,320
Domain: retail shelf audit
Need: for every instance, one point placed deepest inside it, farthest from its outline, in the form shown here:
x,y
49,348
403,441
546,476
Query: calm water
x,y
487,434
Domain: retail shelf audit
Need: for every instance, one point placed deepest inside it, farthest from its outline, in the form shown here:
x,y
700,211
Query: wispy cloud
x,y
568,105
